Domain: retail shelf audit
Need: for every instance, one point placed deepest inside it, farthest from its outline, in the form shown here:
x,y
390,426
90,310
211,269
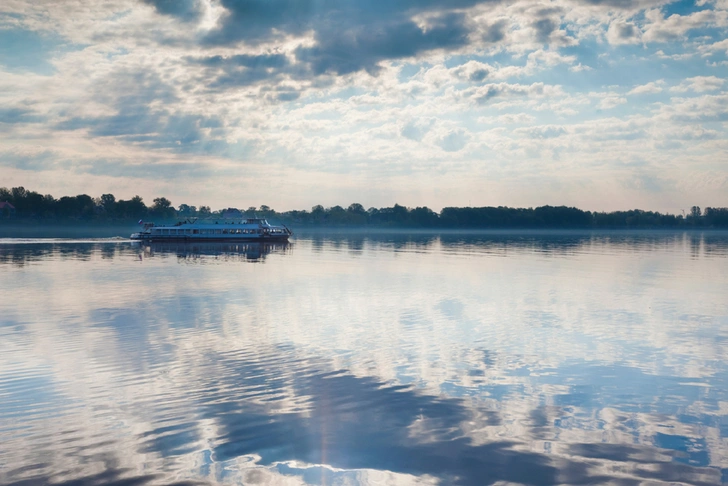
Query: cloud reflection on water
x,y
378,354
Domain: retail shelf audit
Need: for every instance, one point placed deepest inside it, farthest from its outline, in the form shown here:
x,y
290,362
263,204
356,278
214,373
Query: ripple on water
x,y
450,359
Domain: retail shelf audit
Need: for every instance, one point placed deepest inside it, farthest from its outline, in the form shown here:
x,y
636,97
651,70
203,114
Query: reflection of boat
x,y
250,229
193,251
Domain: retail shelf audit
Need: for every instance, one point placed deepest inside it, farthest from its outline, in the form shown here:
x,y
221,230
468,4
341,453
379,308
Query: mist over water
x,y
532,358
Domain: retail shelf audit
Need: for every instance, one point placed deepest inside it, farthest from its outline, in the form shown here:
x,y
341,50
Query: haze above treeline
x,y
31,206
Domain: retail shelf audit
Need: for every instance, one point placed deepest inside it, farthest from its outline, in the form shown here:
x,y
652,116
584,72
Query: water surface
x,y
546,358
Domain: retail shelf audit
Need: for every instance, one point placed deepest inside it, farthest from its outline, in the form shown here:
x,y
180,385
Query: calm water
x,y
471,360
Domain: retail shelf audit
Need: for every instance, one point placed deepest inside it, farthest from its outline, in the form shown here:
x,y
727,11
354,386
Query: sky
x,y
599,104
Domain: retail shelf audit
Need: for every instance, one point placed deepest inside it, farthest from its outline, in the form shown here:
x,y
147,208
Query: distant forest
x,y
30,205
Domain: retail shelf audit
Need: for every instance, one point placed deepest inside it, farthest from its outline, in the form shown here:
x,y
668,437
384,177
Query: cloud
x,y
495,32
648,181
18,115
715,47
621,32
185,10
453,141
674,27
699,84
516,118
611,101
363,47
579,68
146,113
539,60
701,109
473,71
242,69
32,160
649,88
373,88
488,92
348,36
675,57
543,28
542,132
416,129
691,133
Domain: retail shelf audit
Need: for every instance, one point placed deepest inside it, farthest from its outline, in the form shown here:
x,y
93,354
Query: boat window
x,y
165,231
195,232
225,231
217,231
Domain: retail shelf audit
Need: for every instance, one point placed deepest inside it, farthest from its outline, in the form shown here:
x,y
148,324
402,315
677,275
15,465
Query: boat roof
x,y
195,221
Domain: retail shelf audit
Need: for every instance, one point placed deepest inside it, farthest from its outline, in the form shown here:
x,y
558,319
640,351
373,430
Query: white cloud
x,y
543,131
649,88
675,57
699,84
674,27
453,140
621,32
579,68
495,91
611,101
516,118
142,89
473,71
715,47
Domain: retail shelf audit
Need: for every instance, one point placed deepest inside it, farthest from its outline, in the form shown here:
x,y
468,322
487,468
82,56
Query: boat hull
x,y
218,238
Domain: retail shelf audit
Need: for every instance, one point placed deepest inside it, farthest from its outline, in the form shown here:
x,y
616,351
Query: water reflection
x,y
205,251
443,359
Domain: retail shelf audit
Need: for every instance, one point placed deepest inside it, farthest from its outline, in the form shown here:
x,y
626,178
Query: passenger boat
x,y
250,229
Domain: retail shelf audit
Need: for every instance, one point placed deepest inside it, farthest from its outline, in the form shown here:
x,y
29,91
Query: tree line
x,y
106,208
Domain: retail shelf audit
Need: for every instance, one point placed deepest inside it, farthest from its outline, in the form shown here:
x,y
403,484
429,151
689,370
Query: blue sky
x,y
603,105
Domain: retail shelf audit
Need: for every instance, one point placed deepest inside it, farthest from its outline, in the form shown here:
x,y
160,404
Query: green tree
x,y
356,208
186,210
694,215
356,214
162,208
132,209
85,206
18,193
318,213
108,202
